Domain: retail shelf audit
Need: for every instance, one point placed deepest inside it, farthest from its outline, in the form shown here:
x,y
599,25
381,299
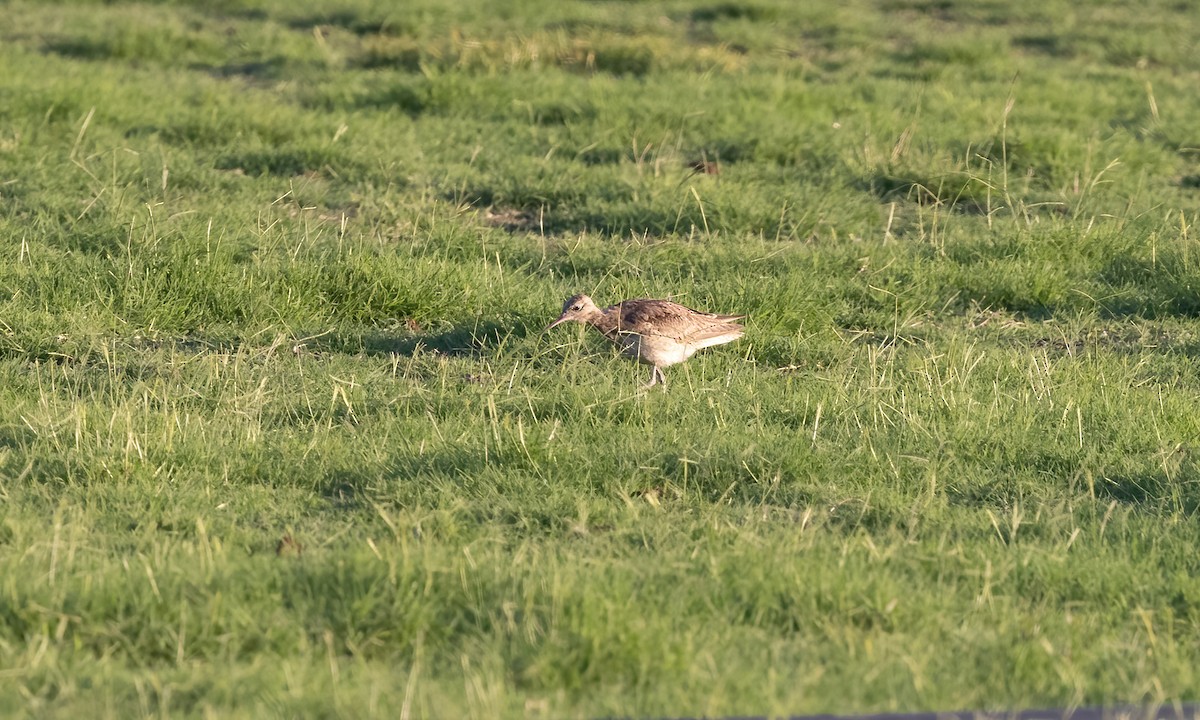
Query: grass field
x,y
280,434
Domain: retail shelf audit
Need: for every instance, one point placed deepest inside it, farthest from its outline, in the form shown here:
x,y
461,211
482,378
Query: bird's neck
x,y
606,321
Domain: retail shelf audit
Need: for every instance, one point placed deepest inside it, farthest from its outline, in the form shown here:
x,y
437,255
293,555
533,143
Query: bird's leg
x,y
655,375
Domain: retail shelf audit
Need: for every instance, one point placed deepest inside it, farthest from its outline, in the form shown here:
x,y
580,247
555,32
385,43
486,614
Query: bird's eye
x,y
576,308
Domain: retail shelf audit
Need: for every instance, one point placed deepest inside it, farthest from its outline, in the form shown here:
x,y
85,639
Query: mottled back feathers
x,y
672,320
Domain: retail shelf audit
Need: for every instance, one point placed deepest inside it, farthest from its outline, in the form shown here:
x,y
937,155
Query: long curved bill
x,y
561,319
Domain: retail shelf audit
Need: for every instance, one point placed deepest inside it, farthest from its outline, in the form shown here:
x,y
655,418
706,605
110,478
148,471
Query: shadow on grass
x,y
550,215
460,341
348,490
412,99
16,438
956,192
31,469
367,23
733,11
290,162
1047,45
275,68
1150,489
411,477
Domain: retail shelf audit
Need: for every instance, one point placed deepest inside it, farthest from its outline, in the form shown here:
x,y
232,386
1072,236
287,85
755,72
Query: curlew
x,y
655,332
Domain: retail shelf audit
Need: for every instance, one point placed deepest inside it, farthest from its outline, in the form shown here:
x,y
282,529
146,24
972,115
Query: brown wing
x,y
670,319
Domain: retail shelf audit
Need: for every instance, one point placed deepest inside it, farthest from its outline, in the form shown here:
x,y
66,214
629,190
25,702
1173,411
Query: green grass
x,y
280,434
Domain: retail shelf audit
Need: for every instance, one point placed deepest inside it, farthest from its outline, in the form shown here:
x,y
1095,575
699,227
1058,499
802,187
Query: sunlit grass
x,y
280,432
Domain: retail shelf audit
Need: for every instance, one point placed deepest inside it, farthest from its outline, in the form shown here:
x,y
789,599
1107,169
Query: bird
x,y
654,332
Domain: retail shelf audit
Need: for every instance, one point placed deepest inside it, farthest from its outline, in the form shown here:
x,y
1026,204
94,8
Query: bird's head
x,y
577,308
